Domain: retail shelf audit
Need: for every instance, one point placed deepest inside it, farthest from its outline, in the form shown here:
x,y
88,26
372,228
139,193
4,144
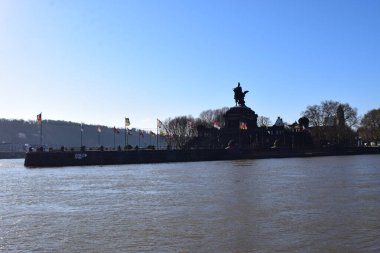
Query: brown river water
x,y
324,204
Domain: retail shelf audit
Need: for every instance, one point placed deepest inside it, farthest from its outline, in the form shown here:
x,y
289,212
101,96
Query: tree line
x,y
353,127
178,131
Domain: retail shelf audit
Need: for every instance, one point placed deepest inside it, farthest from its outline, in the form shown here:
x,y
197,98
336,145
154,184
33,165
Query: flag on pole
x,y
243,125
159,123
81,127
141,133
99,129
217,125
116,131
39,118
39,121
129,132
151,133
127,122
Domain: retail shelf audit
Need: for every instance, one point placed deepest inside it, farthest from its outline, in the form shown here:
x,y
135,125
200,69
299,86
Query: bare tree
x,y
350,116
314,114
179,130
325,114
263,121
328,126
370,126
209,117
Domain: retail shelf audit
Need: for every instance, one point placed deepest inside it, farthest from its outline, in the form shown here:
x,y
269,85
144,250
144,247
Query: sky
x,y
98,62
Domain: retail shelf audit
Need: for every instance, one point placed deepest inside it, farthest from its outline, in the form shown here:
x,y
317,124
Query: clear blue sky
x,y
100,61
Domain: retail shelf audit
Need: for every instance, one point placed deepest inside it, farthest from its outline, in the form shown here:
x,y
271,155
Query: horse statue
x,y
239,95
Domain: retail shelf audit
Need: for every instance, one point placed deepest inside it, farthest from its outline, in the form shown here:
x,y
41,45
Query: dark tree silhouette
x,y
370,126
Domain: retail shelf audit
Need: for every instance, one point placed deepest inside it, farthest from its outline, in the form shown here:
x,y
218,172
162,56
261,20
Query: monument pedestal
x,y
238,114
241,127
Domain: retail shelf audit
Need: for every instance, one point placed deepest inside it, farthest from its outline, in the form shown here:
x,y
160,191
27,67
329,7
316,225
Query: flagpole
x,y
41,134
127,136
127,123
81,135
157,138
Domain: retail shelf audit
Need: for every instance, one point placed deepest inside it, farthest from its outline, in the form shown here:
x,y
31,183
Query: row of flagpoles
x,y
115,131
242,126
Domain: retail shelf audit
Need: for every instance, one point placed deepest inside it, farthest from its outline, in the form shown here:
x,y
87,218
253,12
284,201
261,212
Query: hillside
x,y
14,134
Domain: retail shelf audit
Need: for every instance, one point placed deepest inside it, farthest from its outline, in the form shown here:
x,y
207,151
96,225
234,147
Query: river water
x,y
326,204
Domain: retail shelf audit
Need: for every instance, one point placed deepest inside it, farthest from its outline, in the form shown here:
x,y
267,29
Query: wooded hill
x,y
14,134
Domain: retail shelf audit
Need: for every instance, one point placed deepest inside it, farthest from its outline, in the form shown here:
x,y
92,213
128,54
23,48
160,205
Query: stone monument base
x,y
240,114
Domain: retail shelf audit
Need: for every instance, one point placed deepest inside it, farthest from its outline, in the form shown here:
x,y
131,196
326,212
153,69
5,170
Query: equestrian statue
x,y
239,95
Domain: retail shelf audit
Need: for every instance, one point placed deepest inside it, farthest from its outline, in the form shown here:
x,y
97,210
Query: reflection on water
x,y
328,204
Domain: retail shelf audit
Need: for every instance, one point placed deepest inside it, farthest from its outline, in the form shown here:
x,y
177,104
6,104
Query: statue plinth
x,y
235,115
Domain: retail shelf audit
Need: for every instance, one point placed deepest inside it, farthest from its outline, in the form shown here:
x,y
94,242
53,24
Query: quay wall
x,y
82,158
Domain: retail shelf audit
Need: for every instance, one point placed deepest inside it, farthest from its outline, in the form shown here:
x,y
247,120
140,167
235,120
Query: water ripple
x,y
328,204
